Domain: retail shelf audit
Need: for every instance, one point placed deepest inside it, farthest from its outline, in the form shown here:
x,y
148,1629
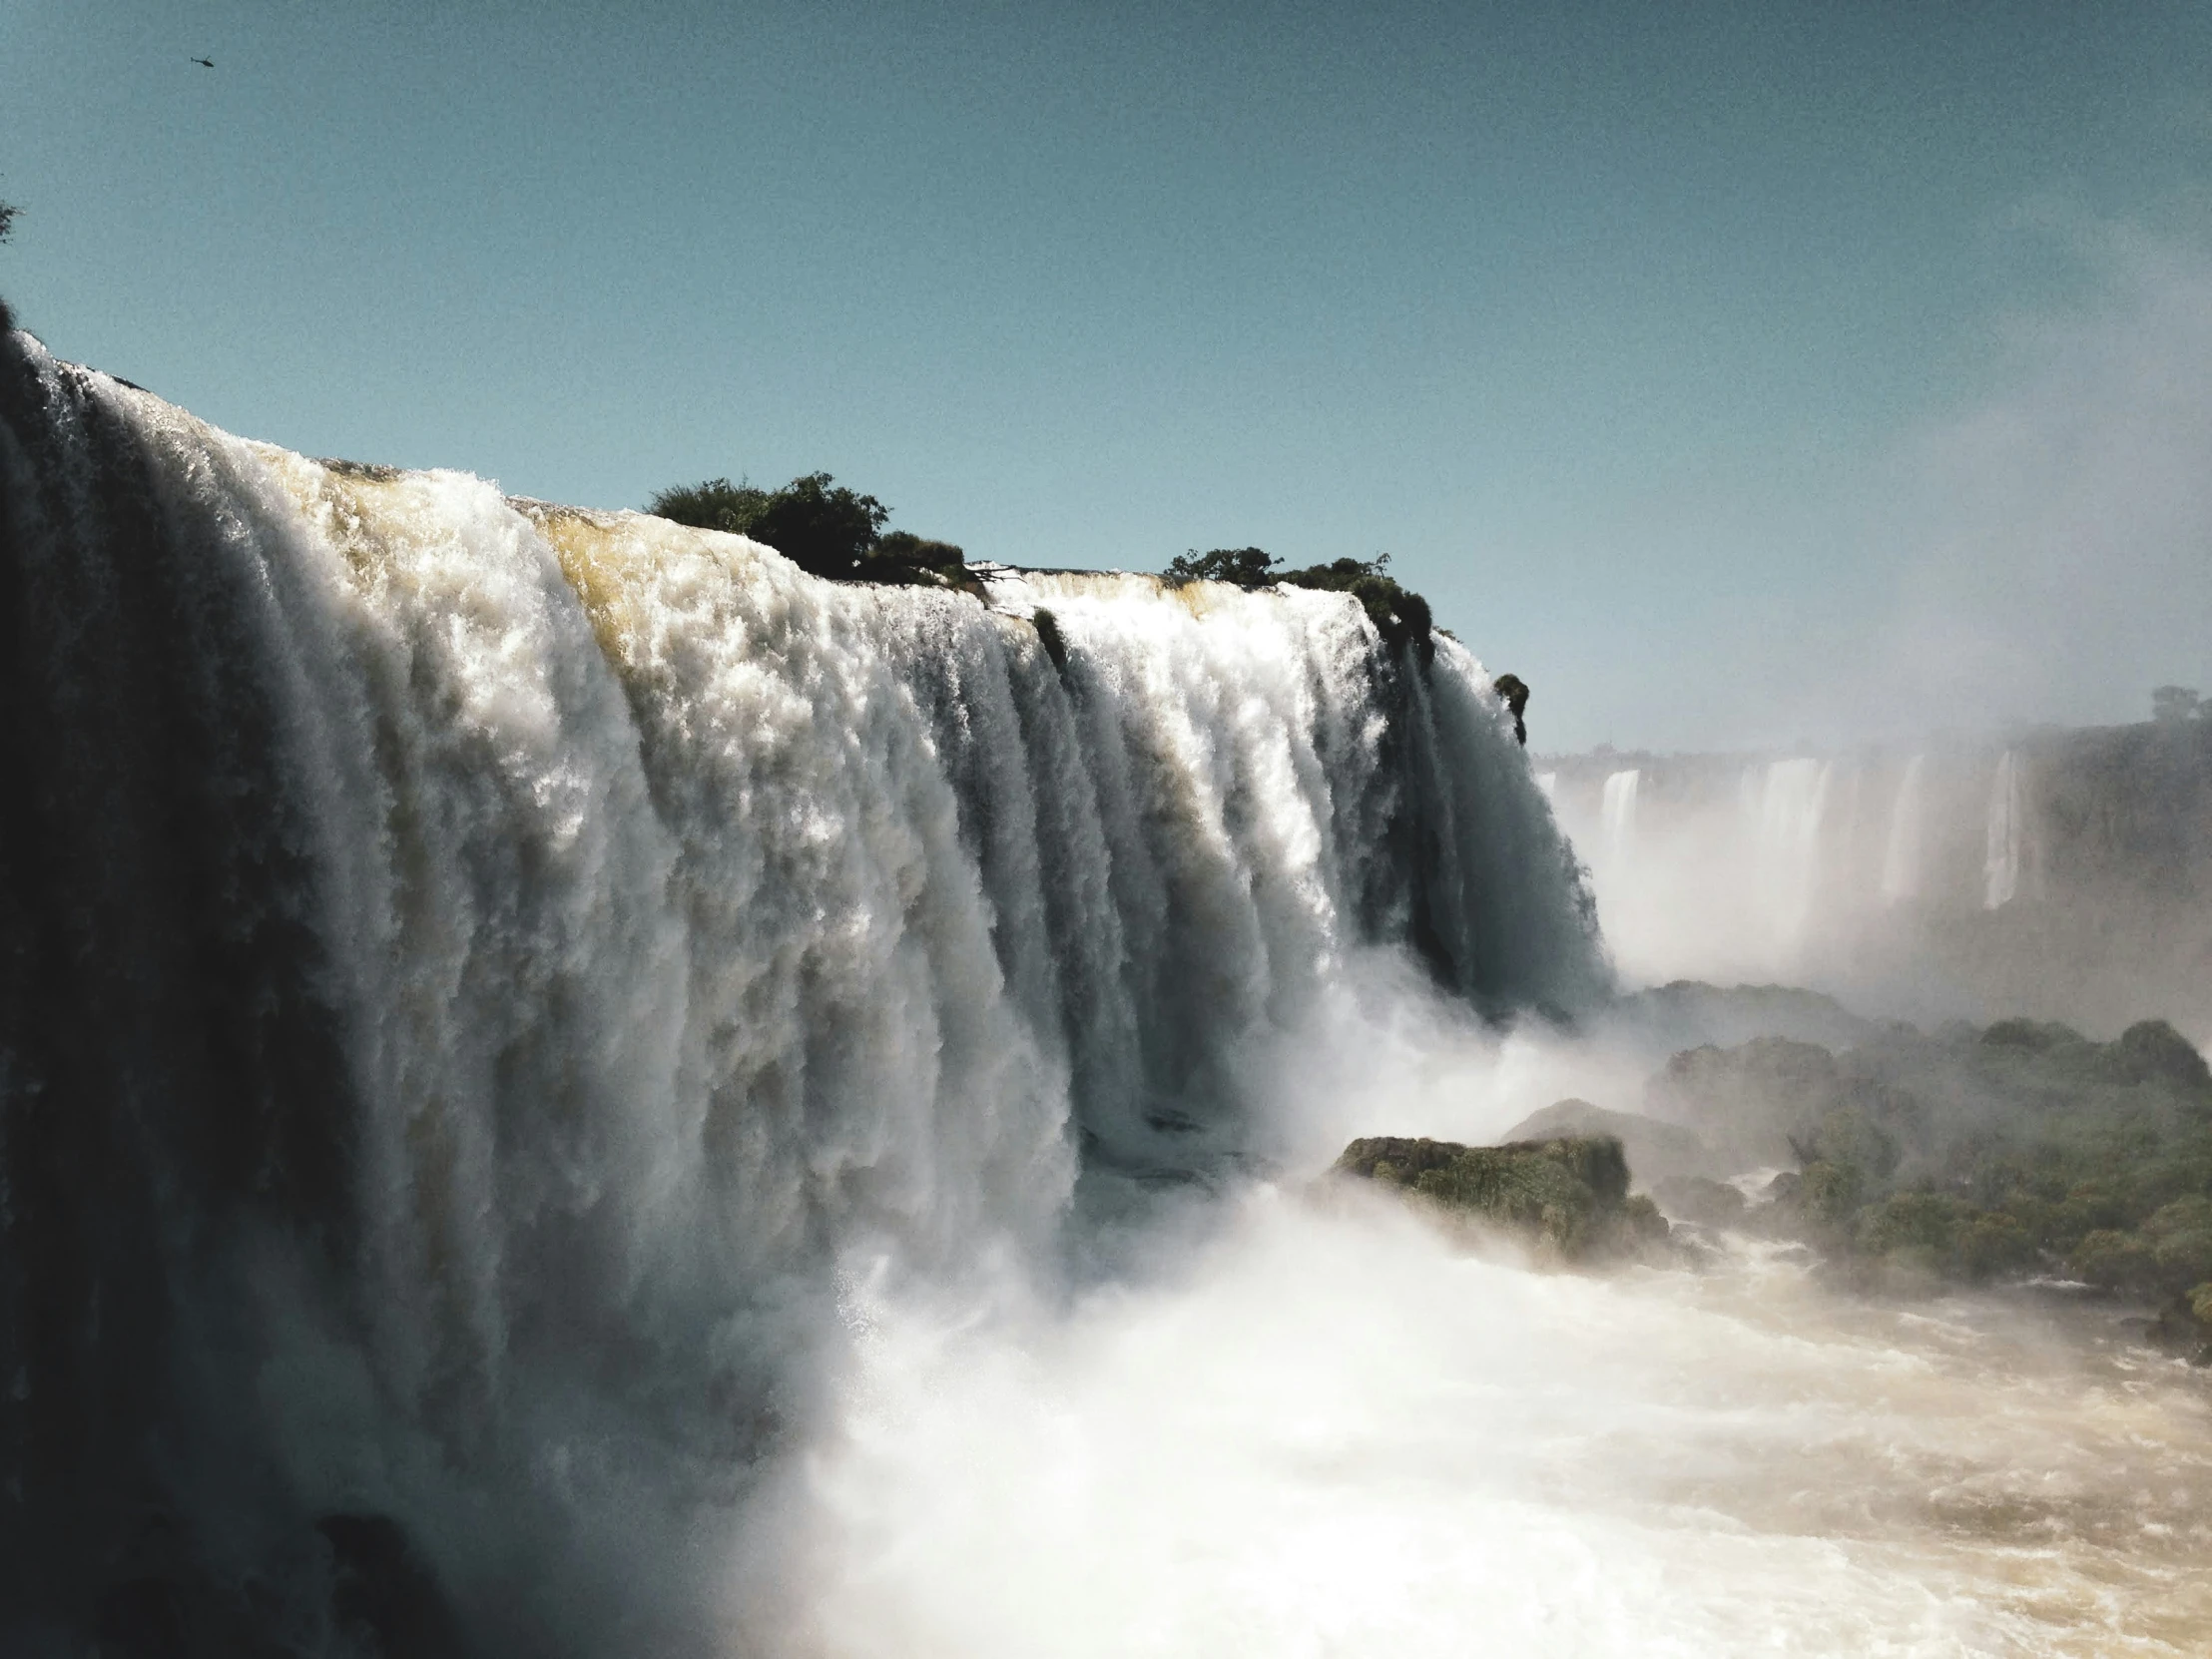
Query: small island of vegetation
x,y
822,527
1399,615
832,531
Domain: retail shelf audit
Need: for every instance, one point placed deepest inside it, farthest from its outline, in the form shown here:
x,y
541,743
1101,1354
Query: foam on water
x,y
1331,1433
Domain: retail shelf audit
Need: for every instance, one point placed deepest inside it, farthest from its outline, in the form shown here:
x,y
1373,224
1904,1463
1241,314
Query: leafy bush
x,y
1243,567
814,521
1966,1154
1848,1138
1399,615
819,525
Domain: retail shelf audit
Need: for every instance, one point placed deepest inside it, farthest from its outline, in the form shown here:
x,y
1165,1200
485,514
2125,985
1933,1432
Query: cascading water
x,y
480,975
1617,815
2000,867
1790,809
1900,853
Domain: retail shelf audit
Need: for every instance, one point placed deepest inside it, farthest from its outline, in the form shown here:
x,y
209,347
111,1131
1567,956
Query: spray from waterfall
x,y
1792,807
1900,855
2001,870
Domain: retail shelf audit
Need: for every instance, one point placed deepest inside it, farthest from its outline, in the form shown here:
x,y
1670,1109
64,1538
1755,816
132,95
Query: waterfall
x,y
1617,815
1901,857
2000,867
1792,807
480,975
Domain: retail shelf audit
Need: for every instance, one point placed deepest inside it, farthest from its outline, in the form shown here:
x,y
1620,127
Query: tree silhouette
x,y
1247,567
820,526
2172,703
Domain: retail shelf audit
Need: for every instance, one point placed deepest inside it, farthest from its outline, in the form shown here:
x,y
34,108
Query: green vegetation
x,y
1243,567
1567,1196
820,526
2021,1149
1399,615
829,530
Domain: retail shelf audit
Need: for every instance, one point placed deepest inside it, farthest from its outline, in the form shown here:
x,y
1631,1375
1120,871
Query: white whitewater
x,y
1617,817
1787,857
1901,854
2000,868
1332,1433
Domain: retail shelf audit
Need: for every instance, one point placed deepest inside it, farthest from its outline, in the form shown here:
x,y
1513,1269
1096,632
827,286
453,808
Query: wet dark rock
x,y
1049,636
1566,1197
1513,690
383,1596
1966,1155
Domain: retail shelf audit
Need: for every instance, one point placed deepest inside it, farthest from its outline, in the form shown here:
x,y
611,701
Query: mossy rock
x,y
1567,1197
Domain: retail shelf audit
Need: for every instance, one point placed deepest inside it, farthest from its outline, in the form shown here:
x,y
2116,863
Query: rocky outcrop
x,y
1567,1197
1656,1151
1513,689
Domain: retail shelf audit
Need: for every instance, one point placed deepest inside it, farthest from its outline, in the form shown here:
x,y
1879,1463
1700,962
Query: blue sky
x,y
1733,372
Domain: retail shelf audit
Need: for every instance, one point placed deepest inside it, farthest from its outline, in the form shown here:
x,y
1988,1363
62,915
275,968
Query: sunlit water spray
x,y
1329,1433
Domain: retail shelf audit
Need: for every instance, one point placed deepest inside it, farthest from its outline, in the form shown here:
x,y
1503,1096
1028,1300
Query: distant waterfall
x,y
1617,815
1901,857
1792,807
479,975
2000,869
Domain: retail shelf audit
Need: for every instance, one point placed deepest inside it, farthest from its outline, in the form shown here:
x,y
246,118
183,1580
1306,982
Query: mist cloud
x,y
2057,536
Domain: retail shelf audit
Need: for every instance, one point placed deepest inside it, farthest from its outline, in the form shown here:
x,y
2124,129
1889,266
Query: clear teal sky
x,y
1669,349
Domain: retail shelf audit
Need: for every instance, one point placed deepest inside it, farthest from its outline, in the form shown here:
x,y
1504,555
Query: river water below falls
x,y
1328,1432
